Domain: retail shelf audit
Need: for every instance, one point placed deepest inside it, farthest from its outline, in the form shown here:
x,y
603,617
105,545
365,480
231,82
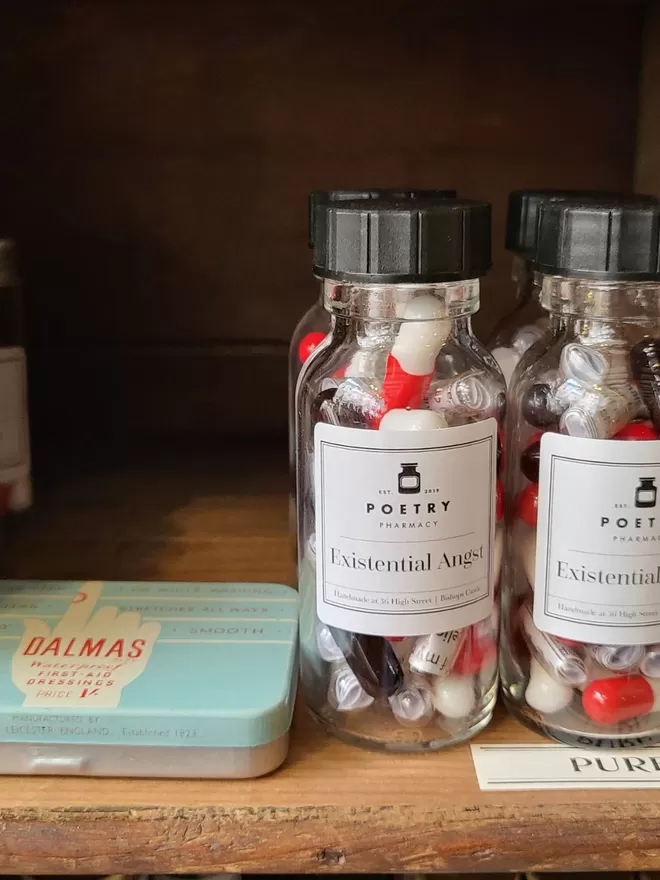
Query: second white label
x,y
598,540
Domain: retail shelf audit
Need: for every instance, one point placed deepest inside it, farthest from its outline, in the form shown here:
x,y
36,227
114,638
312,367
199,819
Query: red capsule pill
x,y
637,431
611,700
528,505
499,501
308,344
474,654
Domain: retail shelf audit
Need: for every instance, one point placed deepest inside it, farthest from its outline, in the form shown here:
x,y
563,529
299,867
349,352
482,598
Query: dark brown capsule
x,y
537,406
645,366
372,660
530,461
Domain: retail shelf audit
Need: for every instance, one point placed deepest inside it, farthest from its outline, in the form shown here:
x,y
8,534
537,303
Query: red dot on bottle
x,y
528,505
637,431
395,638
308,344
571,643
499,501
611,700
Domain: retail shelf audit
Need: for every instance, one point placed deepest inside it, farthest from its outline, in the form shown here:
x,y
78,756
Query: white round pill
x,y
345,693
327,646
453,696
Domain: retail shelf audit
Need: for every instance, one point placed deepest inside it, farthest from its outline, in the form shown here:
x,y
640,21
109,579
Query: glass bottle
x,y
581,581
519,329
15,479
397,418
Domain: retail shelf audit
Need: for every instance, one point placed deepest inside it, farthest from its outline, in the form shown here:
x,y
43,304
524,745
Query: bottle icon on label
x,y
410,482
646,493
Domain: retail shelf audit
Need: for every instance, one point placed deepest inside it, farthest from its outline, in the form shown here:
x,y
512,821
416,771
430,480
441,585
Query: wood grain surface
x,y
156,159
332,807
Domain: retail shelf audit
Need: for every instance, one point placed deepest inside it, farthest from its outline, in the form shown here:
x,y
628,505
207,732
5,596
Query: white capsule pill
x,y
583,363
412,420
596,415
356,403
345,693
423,332
565,662
468,394
618,658
366,363
545,694
412,705
525,337
507,358
327,645
454,696
565,394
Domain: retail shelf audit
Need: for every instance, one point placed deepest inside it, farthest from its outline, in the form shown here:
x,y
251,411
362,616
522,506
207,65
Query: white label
x,y
526,767
405,525
598,540
13,414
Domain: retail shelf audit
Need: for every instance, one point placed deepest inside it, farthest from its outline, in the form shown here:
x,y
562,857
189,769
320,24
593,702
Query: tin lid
x,y
401,239
131,663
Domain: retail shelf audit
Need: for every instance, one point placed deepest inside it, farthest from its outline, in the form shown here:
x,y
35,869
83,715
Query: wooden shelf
x,y
331,807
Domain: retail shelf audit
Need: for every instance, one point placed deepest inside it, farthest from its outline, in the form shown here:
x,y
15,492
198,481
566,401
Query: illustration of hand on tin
x,y
87,659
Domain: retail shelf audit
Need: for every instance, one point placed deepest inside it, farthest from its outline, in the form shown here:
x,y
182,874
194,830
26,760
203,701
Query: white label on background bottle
x,y
405,523
14,444
598,540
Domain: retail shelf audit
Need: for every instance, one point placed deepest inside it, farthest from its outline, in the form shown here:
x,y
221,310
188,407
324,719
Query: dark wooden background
x,y
155,159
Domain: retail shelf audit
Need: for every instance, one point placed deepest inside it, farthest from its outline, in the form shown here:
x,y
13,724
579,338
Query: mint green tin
x,y
106,678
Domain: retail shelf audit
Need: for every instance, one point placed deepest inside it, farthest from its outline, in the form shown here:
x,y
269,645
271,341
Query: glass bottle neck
x,y
392,302
630,302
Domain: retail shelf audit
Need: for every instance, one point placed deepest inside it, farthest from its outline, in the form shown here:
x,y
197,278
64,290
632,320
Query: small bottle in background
x,y
15,479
